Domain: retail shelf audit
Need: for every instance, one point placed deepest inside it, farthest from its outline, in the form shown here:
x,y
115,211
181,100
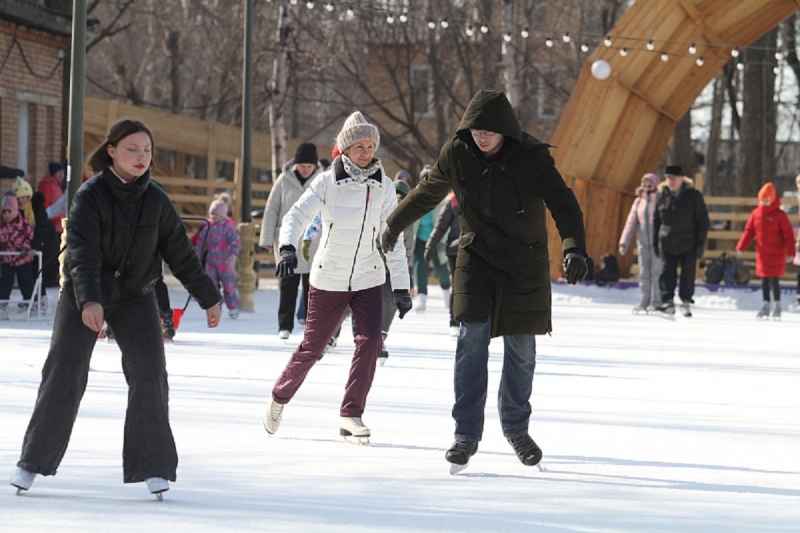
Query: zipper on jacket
x,y
358,245
330,229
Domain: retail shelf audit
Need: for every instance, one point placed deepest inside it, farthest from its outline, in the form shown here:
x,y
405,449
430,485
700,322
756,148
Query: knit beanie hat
x,y
218,207
10,203
652,178
356,128
306,153
402,188
22,188
54,167
767,193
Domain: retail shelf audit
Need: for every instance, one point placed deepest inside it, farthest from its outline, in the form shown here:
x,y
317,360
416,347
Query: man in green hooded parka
x,y
504,179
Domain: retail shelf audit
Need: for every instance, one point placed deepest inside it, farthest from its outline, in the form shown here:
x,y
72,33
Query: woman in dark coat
x,y
120,226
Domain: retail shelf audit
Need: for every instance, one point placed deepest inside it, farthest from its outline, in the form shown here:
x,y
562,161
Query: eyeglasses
x,y
483,133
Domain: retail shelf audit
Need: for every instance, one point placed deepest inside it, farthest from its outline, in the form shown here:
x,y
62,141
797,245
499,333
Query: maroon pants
x,y
325,308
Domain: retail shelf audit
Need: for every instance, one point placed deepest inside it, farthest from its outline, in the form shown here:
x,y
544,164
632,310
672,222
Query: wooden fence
x,y
728,216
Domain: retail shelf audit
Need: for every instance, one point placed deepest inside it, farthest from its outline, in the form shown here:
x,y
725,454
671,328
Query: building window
x,y
422,90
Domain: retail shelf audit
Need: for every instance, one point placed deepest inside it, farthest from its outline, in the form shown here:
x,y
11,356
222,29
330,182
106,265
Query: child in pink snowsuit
x,y
222,245
16,235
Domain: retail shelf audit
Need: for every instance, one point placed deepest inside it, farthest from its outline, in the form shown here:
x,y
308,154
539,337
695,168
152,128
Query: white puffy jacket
x,y
353,218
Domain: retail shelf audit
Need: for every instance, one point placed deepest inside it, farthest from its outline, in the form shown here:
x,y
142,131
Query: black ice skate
x,y
527,451
460,453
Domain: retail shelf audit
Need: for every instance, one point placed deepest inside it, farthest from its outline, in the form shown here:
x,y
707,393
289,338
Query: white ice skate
x,y
353,428
22,479
776,310
157,486
284,334
422,303
273,416
455,331
763,312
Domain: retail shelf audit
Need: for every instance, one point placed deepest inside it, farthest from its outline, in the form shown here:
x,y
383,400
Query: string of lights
x,y
666,48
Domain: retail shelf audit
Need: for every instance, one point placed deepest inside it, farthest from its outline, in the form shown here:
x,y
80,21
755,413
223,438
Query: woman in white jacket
x,y
355,197
297,175
640,221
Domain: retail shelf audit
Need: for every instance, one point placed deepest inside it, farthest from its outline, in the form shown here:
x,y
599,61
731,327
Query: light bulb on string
x,y
692,49
778,55
293,2
664,57
310,5
390,18
607,40
470,31
566,38
525,33
403,17
650,45
548,42
776,69
735,51
700,61
507,37
739,66
444,24
328,7
484,28
350,12
623,52
431,24
584,47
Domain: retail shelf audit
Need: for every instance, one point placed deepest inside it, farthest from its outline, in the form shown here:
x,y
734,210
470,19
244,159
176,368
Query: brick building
x,y
34,86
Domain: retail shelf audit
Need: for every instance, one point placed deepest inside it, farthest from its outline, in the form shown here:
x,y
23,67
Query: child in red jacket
x,y
774,246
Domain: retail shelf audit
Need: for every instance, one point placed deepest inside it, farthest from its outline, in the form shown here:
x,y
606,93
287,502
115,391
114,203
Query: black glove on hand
x,y
403,301
575,267
288,262
698,252
388,240
428,256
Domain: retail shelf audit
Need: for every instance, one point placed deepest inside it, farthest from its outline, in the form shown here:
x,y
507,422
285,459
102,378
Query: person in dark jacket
x,y
45,240
680,228
504,179
446,228
120,226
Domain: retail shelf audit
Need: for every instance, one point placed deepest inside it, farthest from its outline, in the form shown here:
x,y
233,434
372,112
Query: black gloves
x,y
575,267
698,252
288,262
388,240
428,256
402,300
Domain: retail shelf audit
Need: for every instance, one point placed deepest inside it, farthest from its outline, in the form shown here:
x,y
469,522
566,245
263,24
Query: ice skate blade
x,y
455,469
382,361
358,441
160,496
20,490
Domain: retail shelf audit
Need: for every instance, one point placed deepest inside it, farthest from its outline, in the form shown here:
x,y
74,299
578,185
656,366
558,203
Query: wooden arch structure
x,y
615,130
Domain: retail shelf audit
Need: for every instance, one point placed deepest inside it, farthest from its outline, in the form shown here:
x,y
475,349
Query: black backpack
x,y
715,270
608,270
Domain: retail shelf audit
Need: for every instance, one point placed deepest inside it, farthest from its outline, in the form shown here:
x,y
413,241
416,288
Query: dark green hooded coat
x,y
502,261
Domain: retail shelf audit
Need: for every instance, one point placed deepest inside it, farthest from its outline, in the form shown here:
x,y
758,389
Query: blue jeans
x,y
472,377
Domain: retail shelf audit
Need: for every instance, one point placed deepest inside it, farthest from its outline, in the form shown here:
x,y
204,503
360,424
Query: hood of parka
x,y
490,111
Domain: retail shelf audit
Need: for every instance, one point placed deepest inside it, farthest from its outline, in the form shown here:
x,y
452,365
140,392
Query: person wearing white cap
x,y
355,197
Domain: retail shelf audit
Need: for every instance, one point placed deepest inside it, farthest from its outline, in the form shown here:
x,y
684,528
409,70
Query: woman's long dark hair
x,y
100,160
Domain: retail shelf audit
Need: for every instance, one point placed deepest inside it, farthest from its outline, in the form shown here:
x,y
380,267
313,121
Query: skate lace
x,y
275,411
357,422
463,446
521,443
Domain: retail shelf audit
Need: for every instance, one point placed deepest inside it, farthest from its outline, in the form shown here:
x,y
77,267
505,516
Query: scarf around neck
x,y
359,174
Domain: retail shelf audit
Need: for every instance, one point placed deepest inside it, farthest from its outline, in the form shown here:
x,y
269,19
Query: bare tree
x,y
757,134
